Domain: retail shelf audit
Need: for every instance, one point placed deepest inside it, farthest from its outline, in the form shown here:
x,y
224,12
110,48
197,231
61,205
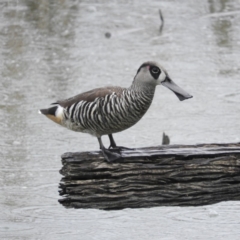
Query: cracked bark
x,y
173,175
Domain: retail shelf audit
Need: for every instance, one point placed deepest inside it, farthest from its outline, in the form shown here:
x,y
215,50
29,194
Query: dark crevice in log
x,y
173,175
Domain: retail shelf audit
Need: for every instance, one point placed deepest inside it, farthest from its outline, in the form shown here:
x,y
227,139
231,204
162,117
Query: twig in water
x,y
162,20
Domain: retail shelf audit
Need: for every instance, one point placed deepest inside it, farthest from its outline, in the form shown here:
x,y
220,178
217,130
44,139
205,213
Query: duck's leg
x,y
108,154
114,146
112,142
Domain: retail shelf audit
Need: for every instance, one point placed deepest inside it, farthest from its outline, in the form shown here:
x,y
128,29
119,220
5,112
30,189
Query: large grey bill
x,y
181,94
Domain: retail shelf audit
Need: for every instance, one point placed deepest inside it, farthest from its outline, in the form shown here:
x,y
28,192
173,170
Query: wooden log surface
x,y
174,175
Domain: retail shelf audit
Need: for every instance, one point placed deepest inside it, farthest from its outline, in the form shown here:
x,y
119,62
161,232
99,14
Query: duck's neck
x,y
141,89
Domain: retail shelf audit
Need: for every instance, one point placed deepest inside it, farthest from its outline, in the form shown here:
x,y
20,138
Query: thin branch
x,y
162,20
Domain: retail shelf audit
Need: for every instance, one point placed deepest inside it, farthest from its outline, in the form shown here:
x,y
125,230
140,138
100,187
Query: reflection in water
x,y
56,24
221,25
217,5
226,32
12,122
14,50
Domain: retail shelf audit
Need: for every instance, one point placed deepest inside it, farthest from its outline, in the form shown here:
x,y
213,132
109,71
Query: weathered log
x,y
174,175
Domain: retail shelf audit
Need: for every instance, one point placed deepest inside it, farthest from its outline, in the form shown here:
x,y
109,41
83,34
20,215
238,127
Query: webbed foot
x,y
120,148
114,147
111,156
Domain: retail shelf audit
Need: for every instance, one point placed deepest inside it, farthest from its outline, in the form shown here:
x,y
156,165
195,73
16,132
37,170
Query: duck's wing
x,y
90,96
55,113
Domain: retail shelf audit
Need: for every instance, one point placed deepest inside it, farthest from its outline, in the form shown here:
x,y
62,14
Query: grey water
x,y
56,49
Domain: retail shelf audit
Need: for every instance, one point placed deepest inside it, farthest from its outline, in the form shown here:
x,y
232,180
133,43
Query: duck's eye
x,y
155,70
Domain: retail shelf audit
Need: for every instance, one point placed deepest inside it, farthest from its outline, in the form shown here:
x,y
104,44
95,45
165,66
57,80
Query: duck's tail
x,y
54,113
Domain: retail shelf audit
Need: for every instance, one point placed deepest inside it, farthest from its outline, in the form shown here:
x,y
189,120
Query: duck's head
x,y
153,74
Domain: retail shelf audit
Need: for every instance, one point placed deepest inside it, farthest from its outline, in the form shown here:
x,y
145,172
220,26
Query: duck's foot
x,y
114,146
111,156
119,148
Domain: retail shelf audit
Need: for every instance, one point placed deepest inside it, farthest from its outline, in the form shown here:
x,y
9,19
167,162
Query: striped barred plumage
x,y
109,114
104,111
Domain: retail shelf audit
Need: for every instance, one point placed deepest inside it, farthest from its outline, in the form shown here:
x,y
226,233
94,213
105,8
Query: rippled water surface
x,y
56,49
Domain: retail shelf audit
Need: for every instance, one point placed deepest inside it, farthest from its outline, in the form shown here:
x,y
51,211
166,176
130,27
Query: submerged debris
x,y
165,139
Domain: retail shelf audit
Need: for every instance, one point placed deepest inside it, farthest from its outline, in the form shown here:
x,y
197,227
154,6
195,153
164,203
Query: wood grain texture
x,y
173,175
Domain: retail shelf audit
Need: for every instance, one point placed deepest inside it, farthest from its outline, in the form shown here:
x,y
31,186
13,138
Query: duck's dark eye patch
x,y
155,72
